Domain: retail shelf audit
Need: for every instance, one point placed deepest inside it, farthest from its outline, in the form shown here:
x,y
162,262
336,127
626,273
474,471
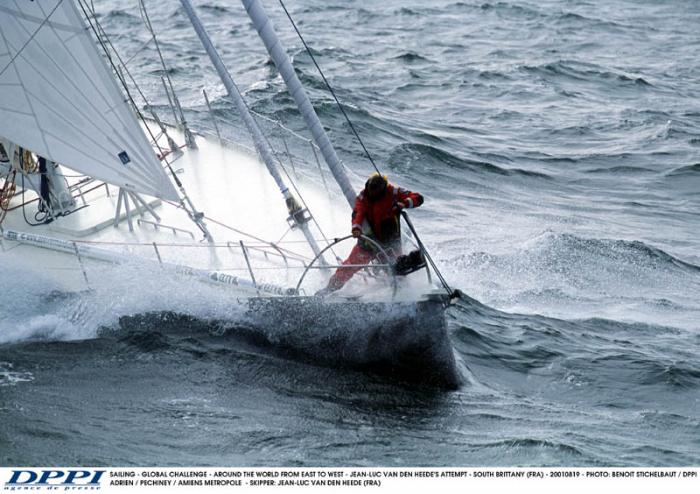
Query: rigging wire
x,y
104,40
250,235
281,164
143,47
294,186
330,88
99,32
147,22
101,36
364,148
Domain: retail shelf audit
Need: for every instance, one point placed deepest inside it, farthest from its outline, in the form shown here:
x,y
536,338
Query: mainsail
x,y
60,99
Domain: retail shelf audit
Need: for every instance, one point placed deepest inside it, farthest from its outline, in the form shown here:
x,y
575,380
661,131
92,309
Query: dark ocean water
x,y
558,146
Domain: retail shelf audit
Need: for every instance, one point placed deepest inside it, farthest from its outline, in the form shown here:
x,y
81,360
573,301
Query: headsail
x,y
59,98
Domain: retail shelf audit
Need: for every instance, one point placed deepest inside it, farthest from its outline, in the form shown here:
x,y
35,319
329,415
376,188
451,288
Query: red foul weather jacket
x,y
382,214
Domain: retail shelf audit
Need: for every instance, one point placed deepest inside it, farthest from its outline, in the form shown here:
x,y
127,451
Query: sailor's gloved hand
x,y
399,206
356,232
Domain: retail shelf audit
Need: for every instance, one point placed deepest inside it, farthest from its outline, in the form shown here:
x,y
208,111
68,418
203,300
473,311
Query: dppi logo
x,y
55,479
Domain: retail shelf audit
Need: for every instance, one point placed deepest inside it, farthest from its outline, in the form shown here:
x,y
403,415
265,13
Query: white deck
x,y
228,185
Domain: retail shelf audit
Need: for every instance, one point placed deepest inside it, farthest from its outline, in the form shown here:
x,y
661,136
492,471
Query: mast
x,y
267,33
296,212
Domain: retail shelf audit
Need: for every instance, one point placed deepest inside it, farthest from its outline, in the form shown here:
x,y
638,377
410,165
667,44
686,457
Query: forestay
x,y
59,98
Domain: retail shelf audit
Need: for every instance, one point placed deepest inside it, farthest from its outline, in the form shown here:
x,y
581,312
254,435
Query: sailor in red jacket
x,y
380,204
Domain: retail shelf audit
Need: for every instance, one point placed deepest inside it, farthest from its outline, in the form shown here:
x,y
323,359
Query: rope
x,y
330,88
29,164
7,193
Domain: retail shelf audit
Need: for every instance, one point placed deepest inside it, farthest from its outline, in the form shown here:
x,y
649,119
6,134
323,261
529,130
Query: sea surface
x,y
557,144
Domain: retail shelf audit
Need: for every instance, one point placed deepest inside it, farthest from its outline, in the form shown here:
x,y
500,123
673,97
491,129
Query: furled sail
x,y
60,99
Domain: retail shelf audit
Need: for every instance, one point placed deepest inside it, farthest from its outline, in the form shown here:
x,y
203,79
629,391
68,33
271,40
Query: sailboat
x,y
90,179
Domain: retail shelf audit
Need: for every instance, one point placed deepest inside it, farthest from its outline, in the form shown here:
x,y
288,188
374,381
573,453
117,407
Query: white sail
x,y
59,98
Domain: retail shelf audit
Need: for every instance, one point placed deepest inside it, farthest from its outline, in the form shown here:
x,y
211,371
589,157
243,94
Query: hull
x,y
400,333
407,341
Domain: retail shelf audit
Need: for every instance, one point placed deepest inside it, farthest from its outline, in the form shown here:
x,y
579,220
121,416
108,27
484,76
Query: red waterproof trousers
x,y
359,258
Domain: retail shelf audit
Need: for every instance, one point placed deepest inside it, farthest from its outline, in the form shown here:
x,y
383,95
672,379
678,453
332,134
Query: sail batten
x,y
60,99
